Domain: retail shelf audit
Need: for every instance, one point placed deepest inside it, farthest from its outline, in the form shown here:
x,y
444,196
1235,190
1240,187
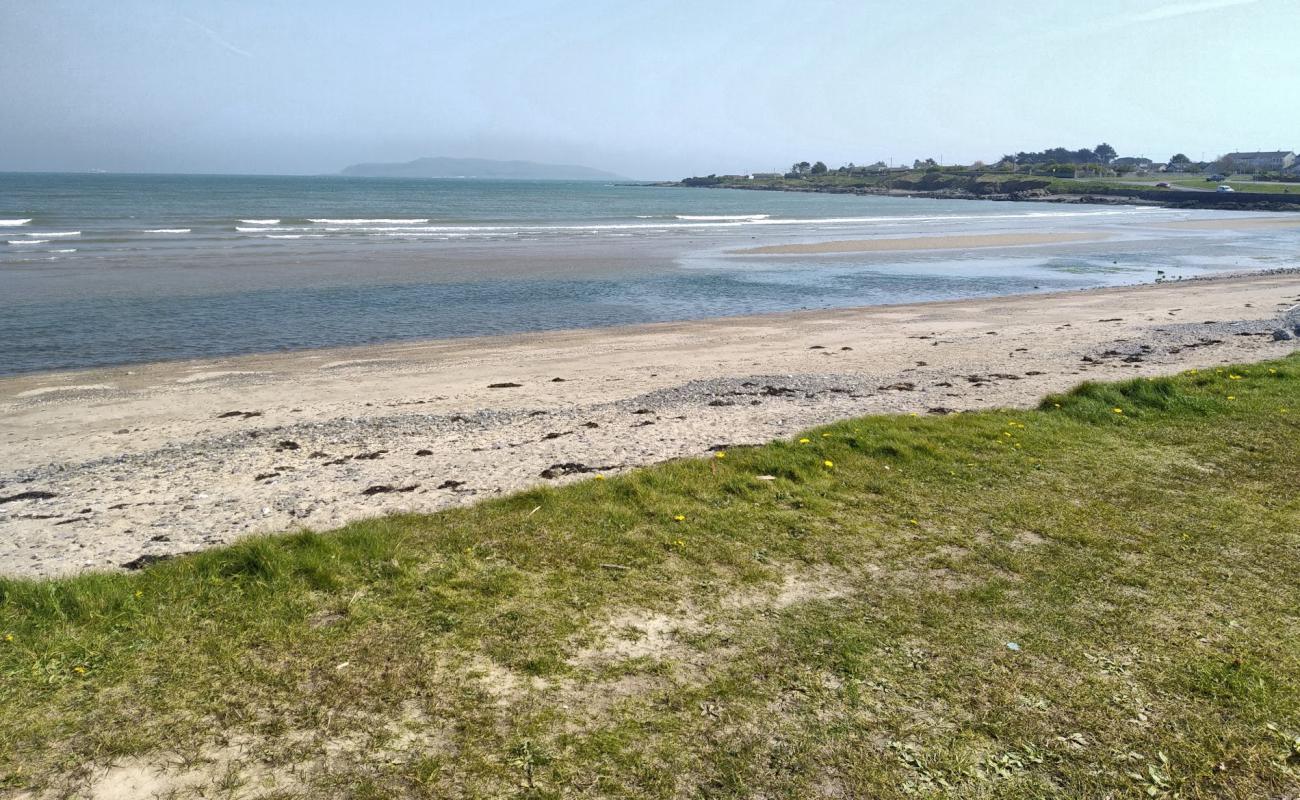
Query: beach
x,y
923,243
120,466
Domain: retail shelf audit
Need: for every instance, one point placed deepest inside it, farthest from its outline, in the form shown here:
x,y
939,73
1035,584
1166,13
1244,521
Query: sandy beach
x,y
967,242
106,467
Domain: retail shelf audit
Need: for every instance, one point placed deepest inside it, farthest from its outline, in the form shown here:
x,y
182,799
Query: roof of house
x,y
1266,154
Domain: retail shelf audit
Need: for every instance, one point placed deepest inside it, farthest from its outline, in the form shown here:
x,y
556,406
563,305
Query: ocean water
x,y
116,269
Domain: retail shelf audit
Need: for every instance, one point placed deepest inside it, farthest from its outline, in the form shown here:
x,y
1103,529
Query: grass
x,y
1097,598
1265,187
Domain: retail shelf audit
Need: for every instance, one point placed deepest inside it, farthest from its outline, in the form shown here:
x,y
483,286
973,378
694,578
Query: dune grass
x,y
1096,598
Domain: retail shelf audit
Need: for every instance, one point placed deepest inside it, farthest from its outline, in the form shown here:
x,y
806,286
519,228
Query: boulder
x,y
1283,335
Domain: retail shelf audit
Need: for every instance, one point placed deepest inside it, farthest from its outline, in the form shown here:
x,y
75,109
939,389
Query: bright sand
x,y
142,462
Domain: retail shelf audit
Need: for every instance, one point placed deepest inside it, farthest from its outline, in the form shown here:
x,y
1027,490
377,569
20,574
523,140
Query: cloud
x,y
217,40
1183,9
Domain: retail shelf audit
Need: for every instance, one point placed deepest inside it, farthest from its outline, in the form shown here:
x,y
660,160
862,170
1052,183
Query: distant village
x,y
1101,161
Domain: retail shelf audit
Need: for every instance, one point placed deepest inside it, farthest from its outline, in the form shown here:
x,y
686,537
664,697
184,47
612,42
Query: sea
x,y
107,269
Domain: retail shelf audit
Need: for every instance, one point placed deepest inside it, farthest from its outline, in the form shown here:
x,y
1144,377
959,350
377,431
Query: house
x,y
1273,161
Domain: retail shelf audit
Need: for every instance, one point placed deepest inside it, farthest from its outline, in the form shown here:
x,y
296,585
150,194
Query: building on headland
x,y
1271,161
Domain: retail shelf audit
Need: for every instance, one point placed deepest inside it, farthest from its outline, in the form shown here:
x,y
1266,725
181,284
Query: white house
x,y
1273,161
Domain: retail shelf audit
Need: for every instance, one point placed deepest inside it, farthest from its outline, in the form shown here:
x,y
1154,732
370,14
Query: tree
x,y
1179,159
1105,153
800,167
819,168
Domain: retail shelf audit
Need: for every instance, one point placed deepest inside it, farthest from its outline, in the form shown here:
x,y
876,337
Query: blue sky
x,y
647,89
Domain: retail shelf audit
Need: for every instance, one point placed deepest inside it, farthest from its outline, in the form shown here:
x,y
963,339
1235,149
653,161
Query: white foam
x,y
167,230
369,221
295,236
70,250
13,223
260,221
29,241
52,233
723,217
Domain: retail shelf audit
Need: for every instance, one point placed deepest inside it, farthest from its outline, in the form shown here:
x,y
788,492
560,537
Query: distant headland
x,y
1242,180
478,168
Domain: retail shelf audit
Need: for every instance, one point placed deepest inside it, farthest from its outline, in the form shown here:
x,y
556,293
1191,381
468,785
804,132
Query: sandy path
x,y
152,460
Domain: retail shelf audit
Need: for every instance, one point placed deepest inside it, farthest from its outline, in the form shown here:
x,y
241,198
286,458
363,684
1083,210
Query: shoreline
x,y
1209,201
148,461
947,242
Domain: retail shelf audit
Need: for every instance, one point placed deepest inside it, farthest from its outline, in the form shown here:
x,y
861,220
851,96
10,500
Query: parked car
x,y
1214,178
1225,188
1162,185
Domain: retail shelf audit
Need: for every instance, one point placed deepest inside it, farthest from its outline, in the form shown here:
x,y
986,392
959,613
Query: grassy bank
x,y
1097,598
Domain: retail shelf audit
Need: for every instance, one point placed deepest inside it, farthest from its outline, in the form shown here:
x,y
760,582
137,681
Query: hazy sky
x,y
647,89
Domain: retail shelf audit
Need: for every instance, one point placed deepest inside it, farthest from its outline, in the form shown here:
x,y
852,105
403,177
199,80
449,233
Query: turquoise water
x,y
114,269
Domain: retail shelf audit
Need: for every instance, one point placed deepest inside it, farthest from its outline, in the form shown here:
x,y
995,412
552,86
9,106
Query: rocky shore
x,y
1236,201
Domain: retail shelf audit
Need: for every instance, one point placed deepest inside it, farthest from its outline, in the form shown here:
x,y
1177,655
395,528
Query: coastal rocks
x,y
243,414
506,385
1284,335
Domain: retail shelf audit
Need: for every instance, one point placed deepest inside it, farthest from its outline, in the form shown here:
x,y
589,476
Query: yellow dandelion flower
x,y
1234,377
1272,371
1118,410
1232,397
600,477
719,454
680,518
826,436
9,637
829,464
79,670
139,593
804,441
914,522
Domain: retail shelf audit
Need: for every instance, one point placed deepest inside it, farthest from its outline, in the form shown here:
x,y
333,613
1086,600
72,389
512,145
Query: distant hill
x,y
478,168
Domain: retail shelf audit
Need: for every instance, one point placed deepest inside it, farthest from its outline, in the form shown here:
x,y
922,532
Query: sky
x,y
648,89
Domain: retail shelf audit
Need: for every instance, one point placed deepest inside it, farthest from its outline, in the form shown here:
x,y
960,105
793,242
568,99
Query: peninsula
x,y
1268,181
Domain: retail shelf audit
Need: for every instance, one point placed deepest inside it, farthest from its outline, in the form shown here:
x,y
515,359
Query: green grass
x,y
1264,187
841,630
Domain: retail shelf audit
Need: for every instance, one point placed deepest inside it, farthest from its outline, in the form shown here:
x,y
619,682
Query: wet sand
x,y
923,243
105,467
